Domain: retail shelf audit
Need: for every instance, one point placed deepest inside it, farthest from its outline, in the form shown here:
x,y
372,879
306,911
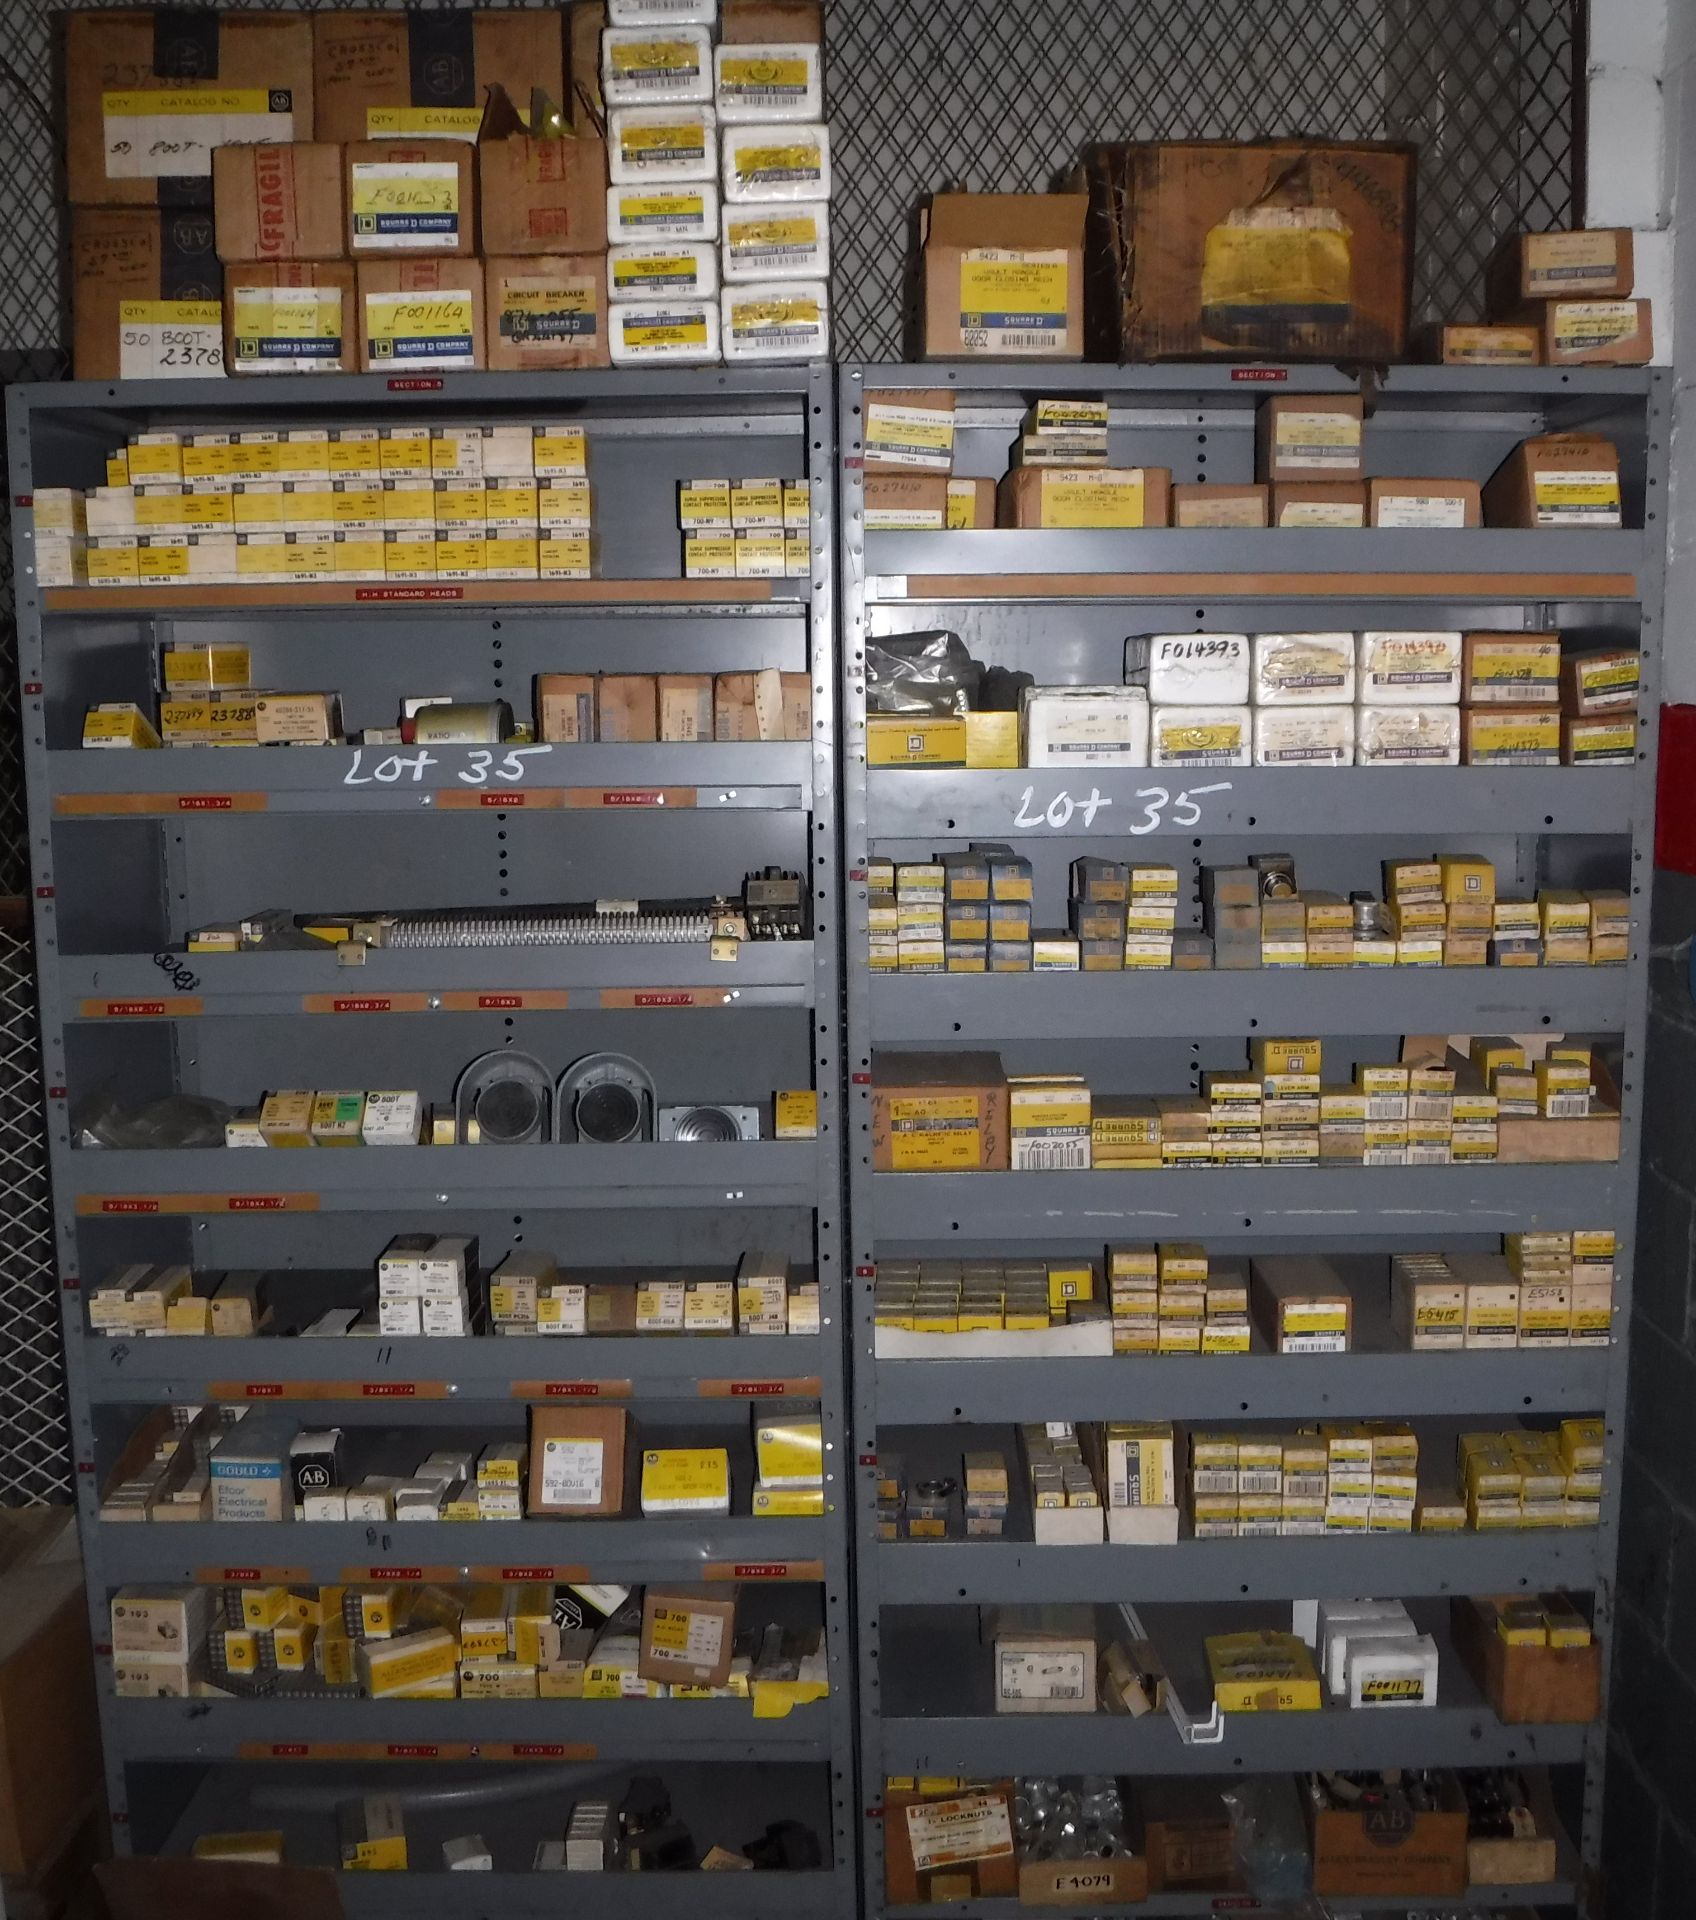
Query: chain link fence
x,y
924,94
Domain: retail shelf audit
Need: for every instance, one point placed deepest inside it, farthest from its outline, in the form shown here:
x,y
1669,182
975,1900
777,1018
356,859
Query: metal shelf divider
x,y
186,819
1082,590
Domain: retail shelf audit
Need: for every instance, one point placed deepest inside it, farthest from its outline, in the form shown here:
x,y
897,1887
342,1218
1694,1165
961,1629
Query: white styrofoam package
x,y
775,320
663,270
1200,736
1392,1672
1190,669
661,143
1304,736
656,66
768,81
1407,736
1336,1638
662,13
1084,726
654,210
1313,1619
1303,669
782,160
777,240
1416,669
644,333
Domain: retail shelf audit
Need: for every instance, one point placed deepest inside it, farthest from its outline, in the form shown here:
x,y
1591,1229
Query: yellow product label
x,y
763,74
682,139
675,330
794,161
1583,324
1508,739
355,457
897,740
1518,664
1556,491
171,313
436,328
1084,499
459,506
199,511
691,1477
645,272
353,505
168,561
1224,736
1013,301
655,56
1321,432
1259,267
796,1114
155,461
460,555
1594,677
777,235
359,556
422,123
507,553
120,561
310,506
178,101
404,203
1490,346
962,498
685,207
565,557
932,1131
284,326
1610,737
1317,1318
791,320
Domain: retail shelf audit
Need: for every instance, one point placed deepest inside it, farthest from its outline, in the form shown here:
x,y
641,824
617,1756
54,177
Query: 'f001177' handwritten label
x,y
1153,809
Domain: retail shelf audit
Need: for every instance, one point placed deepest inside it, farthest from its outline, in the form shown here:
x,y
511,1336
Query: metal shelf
x,y
616,781
1426,803
132,986
1373,1206
631,1551
275,1726
185,602
617,1896
1319,1000
930,1573
1562,1892
764,1173
479,1367
1010,386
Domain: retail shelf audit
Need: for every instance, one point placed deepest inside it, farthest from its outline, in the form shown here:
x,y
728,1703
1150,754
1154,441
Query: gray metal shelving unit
x,y
1059,605
129,850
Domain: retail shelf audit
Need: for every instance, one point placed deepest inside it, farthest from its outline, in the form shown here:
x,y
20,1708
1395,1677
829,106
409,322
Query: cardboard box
x,y
939,1112
1300,436
1526,1685
954,1847
125,148
426,73
909,502
1447,504
688,1634
1188,1836
686,706
417,314
539,196
1510,669
283,316
136,274
1594,264
971,506
410,196
626,707
577,1461
1097,497
1003,276
1488,346
1228,504
280,202
1319,503
1568,480
1193,250
745,23
1422,1855
546,313
1595,333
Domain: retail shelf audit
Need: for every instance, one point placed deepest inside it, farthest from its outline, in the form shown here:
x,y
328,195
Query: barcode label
x,y
774,260
1568,1106
1312,1343
1260,1480
1428,1156
1052,1156
778,336
1009,342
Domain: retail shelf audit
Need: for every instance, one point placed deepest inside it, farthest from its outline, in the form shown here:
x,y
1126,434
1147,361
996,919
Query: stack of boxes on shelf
x,y
1560,299
275,506
763,704
755,529
1549,1288
1343,1479
908,441
687,120
1524,1479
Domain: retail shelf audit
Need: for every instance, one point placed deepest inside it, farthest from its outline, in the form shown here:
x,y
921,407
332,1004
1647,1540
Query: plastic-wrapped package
x,y
1409,669
656,66
1201,737
776,320
661,143
1269,1839
1303,736
1190,669
1085,726
776,162
783,240
1303,669
650,211
649,332
660,269
178,1120
1402,736
769,81
921,673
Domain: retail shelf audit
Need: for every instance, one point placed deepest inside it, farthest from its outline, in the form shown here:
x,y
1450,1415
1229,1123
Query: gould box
x,y
146,294
426,72
939,1112
1003,276
1286,248
150,95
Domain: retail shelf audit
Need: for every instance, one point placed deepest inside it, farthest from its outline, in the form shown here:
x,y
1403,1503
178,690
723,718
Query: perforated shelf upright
x,y
132,849
1060,605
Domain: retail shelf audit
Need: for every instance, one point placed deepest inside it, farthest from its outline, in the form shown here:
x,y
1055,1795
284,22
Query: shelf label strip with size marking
x,y
416,1750
763,1570
179,1007
365,1003
96,805
251,1576
190,599
805,1387
116,1203
1251,586
661,997
570,1389
241,1391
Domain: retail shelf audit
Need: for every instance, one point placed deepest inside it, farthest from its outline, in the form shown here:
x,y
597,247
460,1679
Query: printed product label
x,y
397,204
420,329
658,66
910,436
1581,325
547,315
934,1130
571,1473
661,212
794,321
170,132
656,273
1320,513
1319,440
1422,510
1576,499
170,339
794,164
1034,1676
1085,499
962,506
1557,261
695,1638
777,245
423,123
1013,302
666,330
749,81
664,146
287,329
1203,746
973,1827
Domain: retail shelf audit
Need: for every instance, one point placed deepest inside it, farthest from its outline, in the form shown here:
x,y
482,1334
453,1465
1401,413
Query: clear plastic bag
x,y
179,1120
1269,1839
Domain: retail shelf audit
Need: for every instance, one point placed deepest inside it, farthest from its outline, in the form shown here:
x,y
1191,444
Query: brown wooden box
x,y
1421,1855
1528,1686
981,1877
